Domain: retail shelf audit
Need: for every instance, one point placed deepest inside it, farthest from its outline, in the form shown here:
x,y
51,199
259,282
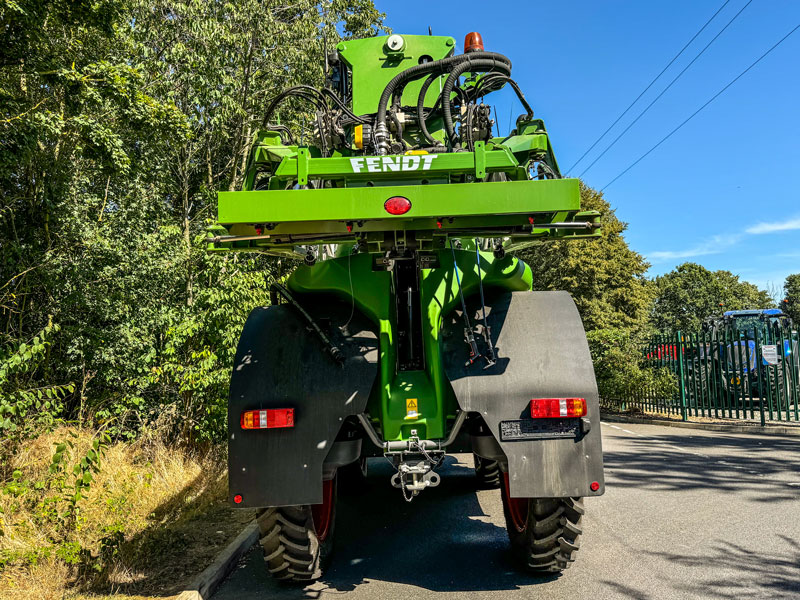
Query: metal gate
x,y
726,372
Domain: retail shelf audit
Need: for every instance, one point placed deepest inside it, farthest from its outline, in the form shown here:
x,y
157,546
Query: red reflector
x,y
552,408
267,419
237,498
397,205
594,486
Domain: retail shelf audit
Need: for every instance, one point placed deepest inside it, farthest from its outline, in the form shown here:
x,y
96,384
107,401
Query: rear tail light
x,y
397,205
272,418
553,408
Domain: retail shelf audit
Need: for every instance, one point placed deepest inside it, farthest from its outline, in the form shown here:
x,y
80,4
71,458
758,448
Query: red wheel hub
x,y
517,507
322,514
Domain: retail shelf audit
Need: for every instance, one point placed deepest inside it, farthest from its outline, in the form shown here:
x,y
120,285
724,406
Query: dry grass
x,y
159,512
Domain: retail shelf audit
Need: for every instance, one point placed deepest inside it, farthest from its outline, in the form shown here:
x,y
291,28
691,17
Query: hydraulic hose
x,y
490,81
474,66
306,92
423,127
437,66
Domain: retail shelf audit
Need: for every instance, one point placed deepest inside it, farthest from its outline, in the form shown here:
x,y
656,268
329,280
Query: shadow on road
x,y
722,463
770,575
733,572
442,541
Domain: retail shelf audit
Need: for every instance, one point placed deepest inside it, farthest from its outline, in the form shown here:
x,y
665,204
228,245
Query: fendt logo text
x,y
380,164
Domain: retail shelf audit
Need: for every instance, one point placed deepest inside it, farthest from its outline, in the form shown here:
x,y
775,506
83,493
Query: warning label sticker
x,y
412,408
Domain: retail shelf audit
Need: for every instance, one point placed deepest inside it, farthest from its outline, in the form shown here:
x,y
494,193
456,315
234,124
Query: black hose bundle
x,y
473,66
497,61
423,127
493,82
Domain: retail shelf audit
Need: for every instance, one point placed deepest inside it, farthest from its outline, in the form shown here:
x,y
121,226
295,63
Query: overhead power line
x,y
690,117
669,85
649,85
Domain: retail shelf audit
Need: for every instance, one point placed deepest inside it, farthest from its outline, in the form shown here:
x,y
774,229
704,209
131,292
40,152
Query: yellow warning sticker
x,y
412,408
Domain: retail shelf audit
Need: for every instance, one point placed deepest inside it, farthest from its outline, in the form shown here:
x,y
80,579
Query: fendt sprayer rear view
x,y
409,328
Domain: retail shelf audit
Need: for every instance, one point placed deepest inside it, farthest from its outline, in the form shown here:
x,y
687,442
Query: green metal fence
x,y
725,372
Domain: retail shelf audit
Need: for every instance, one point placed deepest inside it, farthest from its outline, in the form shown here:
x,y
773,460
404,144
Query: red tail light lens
x,y
272,418
553,408
397,205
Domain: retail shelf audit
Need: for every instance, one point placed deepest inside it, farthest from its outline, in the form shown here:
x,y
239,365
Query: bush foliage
x,y
119,121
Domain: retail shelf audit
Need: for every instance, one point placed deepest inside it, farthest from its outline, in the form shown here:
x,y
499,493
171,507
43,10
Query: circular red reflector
x,y
237,498
594,486
397,205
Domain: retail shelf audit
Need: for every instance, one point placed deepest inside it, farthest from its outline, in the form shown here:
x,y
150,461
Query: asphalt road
x,y
686,514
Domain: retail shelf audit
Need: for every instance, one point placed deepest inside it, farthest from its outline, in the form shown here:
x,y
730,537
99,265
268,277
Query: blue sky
x,y
723,191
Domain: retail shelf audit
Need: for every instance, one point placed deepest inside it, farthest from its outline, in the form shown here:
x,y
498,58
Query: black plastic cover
x,y
542,353
280,363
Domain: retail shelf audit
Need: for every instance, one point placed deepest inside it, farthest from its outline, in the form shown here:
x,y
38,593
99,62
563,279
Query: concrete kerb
x,y
206,583
722,427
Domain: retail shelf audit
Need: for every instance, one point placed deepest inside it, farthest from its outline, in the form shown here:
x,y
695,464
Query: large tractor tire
x,y
298,540
544,532
487,472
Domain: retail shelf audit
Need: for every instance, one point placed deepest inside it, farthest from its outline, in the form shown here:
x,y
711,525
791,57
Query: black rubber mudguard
x,y
281,363
542,353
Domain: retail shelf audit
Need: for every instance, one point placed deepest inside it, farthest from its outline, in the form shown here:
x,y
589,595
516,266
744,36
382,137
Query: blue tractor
x,y
755,351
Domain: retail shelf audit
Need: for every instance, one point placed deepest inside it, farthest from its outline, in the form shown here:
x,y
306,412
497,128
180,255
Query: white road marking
x,y
621,429
679,449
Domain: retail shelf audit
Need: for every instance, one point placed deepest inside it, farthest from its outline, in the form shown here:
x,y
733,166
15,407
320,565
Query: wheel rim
x,y
517,507
322,514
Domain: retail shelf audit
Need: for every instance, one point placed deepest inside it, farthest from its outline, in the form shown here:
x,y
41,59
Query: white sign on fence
x,y
770,354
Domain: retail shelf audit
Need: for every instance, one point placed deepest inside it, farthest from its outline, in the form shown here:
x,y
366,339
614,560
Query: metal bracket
x,y
302,166
364,419
480,160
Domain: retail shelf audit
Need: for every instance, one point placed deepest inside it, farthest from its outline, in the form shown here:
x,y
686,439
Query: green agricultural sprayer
x,y
409,328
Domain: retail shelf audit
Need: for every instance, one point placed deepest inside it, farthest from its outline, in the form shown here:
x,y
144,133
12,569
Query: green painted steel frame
x,y
452,195
427,201
373,66
372,294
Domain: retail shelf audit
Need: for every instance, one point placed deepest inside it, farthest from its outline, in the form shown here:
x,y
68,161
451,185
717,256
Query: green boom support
x,y
472,192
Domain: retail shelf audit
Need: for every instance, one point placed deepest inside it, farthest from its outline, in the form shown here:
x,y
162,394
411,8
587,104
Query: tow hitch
x,y
415,460
415,465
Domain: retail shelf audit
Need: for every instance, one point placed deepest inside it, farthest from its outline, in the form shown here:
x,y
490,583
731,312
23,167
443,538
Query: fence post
x,y
681,374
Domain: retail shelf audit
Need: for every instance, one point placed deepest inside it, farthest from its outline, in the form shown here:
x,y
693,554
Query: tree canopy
x,y
119,120
791,304
690,293
605,276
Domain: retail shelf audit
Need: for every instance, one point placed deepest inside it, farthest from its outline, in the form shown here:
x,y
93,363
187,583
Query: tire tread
x,y
551,536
